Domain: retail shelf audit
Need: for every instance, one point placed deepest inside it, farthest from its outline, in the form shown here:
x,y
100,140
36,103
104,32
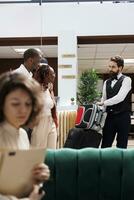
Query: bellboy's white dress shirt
x,y
125,88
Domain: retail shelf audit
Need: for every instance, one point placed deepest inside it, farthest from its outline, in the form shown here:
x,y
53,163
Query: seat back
x,y
96,174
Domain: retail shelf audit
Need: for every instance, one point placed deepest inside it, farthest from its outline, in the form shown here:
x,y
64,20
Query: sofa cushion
x,y
96,174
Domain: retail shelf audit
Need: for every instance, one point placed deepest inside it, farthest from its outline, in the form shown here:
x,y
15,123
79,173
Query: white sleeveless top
x,y
48,103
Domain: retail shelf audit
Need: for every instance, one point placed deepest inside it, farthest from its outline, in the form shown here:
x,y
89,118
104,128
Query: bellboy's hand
x,y
100,103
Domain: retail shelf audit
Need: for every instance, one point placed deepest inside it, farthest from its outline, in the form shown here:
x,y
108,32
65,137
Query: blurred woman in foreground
x,y
20,104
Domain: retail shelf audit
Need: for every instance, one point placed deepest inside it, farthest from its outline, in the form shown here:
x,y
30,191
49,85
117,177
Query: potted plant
x,y
87,87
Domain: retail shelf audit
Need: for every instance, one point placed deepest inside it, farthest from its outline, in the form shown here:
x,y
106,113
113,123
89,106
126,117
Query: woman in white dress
x,y
45,133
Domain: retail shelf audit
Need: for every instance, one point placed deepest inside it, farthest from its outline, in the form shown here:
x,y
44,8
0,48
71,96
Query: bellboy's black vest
x,y
123,106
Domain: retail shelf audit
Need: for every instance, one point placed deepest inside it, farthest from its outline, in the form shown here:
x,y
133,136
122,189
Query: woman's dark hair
x,y
42,73
119,60
44,61
10,81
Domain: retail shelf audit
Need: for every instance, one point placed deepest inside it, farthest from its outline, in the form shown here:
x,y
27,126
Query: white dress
x,y
45,133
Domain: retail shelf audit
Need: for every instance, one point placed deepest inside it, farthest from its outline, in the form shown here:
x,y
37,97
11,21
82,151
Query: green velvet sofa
x,y
90,174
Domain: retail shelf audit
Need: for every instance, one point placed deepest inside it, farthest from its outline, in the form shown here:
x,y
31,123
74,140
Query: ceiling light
x,y
128,61
21,51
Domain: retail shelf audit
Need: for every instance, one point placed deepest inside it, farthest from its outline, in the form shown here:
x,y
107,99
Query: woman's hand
x,y
40,173
35,195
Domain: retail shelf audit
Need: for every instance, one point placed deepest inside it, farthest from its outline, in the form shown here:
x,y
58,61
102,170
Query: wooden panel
x,y
68,76
68,55
105,39
9,64
22,41
65,66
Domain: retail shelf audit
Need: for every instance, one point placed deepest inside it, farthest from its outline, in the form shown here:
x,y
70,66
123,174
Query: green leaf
x,y
87,87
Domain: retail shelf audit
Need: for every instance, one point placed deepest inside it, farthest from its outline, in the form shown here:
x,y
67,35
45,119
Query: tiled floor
x,y
130,142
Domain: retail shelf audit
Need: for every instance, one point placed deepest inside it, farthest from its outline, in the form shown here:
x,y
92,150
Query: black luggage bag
x,y
81,138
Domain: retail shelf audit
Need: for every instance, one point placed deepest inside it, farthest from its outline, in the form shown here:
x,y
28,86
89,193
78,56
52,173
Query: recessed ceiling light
x,y
22,50
128,61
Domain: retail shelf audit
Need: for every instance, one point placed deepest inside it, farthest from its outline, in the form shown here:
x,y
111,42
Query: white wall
x,y
67,44
20,20
33,20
